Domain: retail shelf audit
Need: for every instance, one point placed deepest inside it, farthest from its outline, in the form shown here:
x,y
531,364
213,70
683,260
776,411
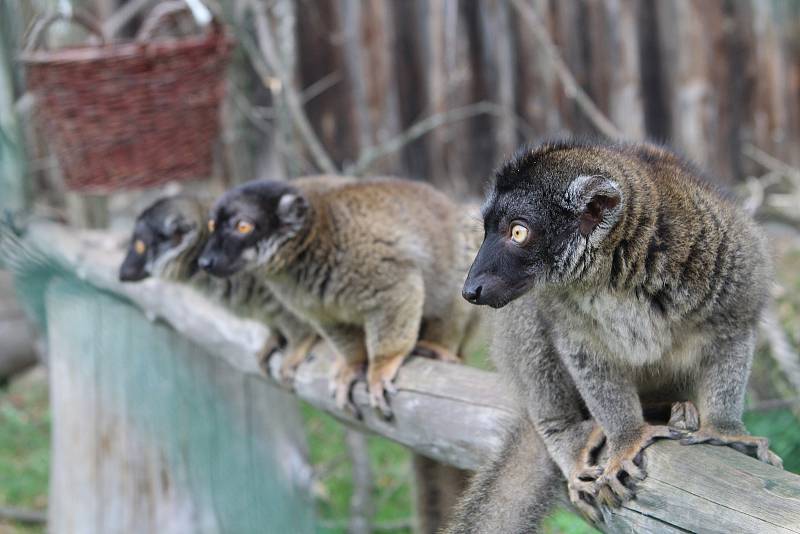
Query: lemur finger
x,y
620,490
588,473
606,496
389,387
772,459
655,432
634,471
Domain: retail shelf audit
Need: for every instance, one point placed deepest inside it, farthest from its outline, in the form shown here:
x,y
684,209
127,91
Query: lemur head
x,y
164,236
548,209
251,224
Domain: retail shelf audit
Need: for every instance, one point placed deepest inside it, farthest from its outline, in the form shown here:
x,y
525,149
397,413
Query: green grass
x,y
390,464
24,447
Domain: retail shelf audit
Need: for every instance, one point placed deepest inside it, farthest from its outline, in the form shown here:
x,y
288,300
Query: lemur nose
x,y
472,294
205,262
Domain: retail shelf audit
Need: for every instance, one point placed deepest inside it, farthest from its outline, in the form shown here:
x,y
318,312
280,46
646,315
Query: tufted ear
x,y
593,198
292,209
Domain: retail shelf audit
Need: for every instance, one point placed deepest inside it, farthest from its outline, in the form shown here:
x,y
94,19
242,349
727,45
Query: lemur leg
x,y
613,401
348,343
720,399
300,338
442,337
391,333
296,353
549,397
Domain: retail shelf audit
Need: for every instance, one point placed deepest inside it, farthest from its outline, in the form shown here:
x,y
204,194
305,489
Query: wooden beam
x,y
452,413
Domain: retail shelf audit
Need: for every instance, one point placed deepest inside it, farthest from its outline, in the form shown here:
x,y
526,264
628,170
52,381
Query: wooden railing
x,y
456,414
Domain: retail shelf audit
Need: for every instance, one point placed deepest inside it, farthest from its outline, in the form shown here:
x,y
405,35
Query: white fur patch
x,y
633,332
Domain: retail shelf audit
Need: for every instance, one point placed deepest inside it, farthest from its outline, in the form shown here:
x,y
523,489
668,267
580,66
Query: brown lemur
x,y
622,281
374,265
167,240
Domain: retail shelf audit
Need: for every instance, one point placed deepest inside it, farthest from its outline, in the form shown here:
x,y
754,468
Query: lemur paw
x,y
626,466
380,382
429,349
295,354
582,488
345,375
754,446
582,482
271,346
684,417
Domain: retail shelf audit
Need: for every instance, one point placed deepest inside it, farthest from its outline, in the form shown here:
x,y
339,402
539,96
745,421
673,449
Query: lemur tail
x,y
514,491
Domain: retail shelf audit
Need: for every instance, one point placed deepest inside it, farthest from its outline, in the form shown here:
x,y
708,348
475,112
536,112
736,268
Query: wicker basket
x,y
128,115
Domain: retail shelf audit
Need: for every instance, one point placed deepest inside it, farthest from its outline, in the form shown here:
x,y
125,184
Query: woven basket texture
x,y
131,115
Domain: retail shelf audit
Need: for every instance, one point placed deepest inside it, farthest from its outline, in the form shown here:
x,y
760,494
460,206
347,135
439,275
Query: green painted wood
x,y
153,434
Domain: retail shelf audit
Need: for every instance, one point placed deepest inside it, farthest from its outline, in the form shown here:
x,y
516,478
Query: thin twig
x,y
285,87
320,86
770,162
781,348
22,515
370,154
571,87
123,16
773,404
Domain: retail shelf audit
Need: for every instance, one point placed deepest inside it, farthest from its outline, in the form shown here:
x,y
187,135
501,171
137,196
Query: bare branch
x,y
123,16
773,404
571,87
770,162
370,154
320,86
285,87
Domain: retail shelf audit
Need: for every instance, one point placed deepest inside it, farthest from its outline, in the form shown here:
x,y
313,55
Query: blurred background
x,y
434,90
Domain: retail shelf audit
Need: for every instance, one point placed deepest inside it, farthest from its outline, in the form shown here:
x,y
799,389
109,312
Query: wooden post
x,y
151,433
12,152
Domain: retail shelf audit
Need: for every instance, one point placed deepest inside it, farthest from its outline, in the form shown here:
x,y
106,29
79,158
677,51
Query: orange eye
x,y
244,227
211,225
139,247
519,234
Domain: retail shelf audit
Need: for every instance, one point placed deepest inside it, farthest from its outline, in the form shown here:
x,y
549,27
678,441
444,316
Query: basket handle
x,y
80,17
160,13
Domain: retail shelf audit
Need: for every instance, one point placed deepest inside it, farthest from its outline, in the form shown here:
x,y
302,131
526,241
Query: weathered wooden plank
x,y
153,434
456,414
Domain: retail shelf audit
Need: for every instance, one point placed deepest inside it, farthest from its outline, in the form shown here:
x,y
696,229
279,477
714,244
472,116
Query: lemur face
x,y
539,219
249,226
161,234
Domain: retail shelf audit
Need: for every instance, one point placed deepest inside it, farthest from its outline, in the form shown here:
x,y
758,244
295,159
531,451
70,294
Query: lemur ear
x,y
292,209
176,225
593,198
